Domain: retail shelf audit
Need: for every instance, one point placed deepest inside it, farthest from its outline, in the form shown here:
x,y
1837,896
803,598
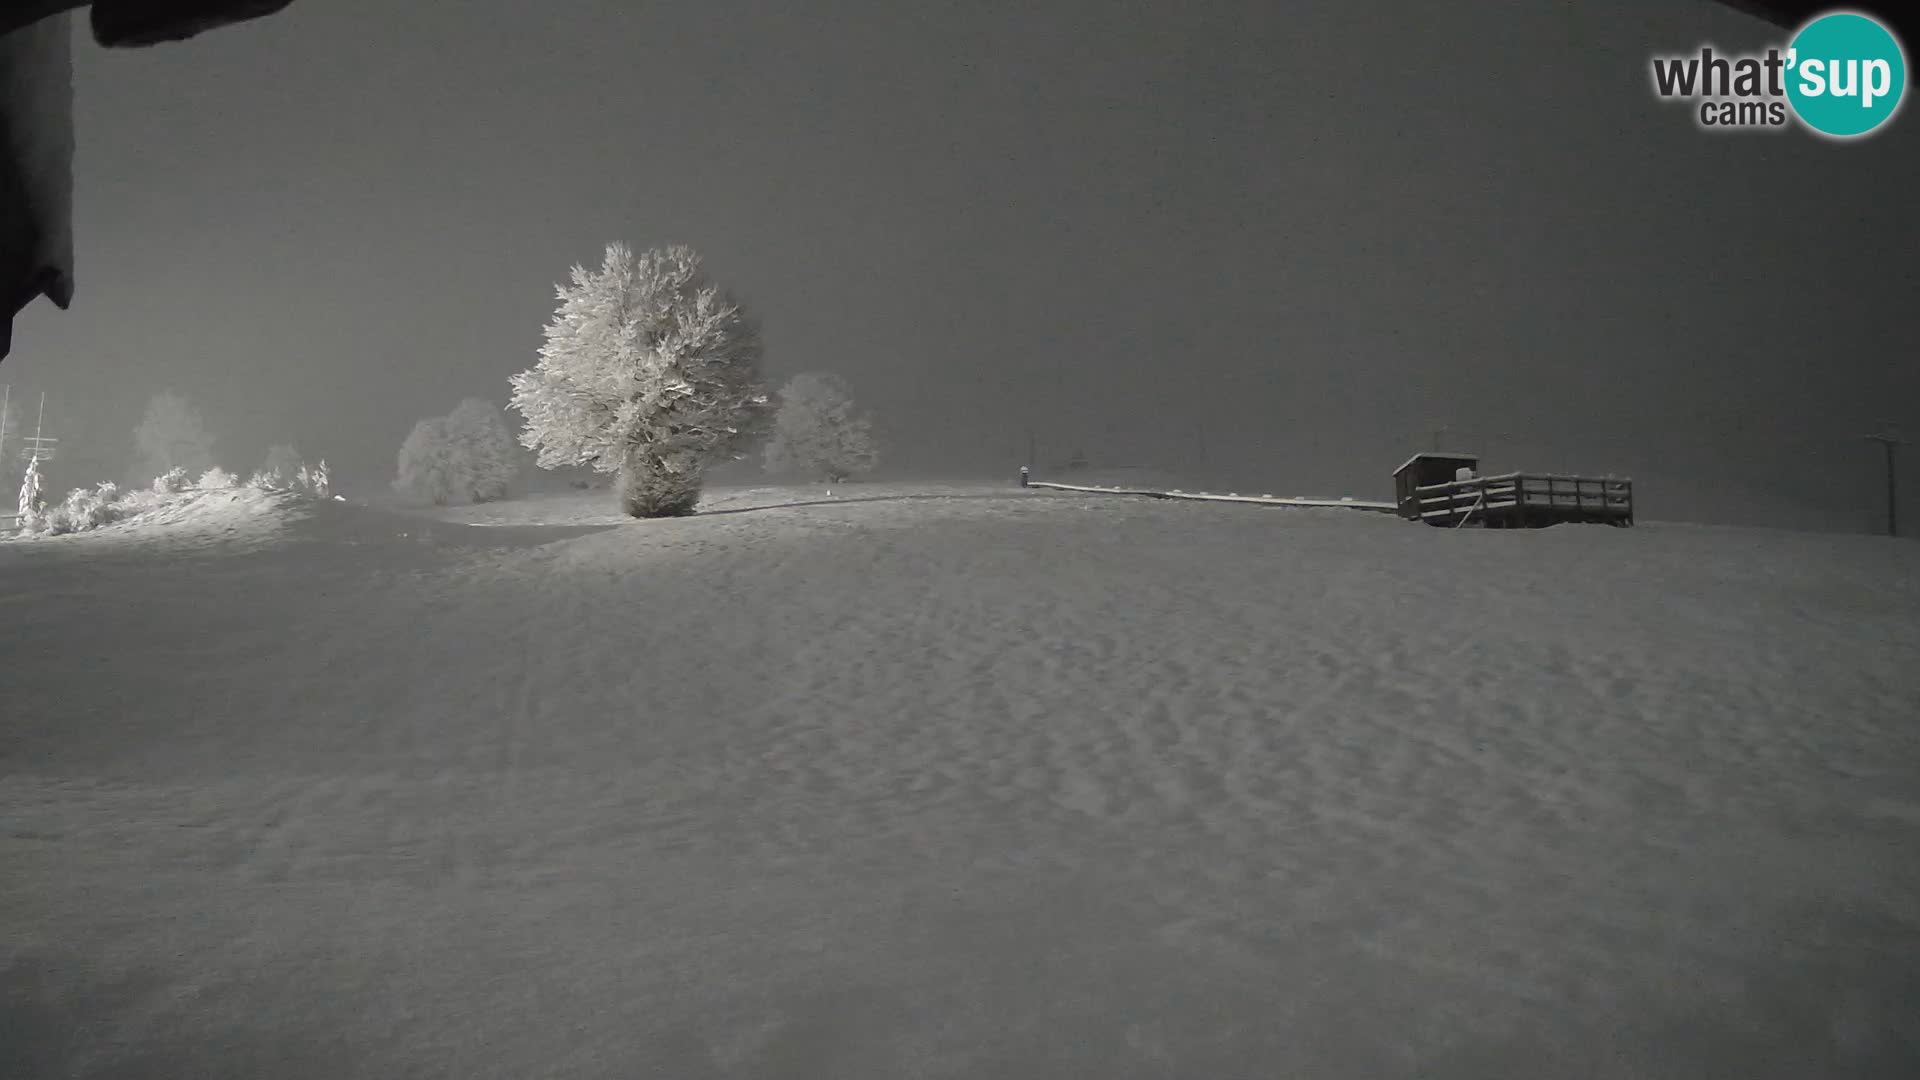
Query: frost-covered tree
x,y
484,450
427,468
818,433
31,486
649,371
283,462
466,455
170,435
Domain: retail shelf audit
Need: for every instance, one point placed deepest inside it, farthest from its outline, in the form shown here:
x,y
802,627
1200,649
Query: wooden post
x,y
1887,442
1893,493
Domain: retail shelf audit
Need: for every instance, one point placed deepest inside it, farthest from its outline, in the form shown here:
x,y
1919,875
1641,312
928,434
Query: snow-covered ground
x,y
998,784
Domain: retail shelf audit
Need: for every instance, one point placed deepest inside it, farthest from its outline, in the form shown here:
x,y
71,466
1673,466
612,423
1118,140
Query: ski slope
x,y
996,783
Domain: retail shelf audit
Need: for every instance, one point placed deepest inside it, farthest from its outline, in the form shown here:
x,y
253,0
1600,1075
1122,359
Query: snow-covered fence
x,y
1231,497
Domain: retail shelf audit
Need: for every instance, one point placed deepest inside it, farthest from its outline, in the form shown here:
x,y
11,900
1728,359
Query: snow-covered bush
x,y
172,481
818,433
482,449
218,479
467,455
427,471
650,371
170,436
84,509
317,481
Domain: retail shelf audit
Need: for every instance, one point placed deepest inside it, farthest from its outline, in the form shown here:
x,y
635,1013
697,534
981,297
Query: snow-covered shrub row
x,y
316,481
84,508
91,508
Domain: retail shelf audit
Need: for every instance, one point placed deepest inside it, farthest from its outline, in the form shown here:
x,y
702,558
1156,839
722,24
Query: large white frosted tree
x,y
170,436
818,433
649,371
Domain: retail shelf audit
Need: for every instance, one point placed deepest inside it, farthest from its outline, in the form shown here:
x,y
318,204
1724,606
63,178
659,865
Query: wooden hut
x,y
1425,470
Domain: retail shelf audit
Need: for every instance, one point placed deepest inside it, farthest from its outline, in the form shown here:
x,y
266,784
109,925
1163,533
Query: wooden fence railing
x,y
1524,496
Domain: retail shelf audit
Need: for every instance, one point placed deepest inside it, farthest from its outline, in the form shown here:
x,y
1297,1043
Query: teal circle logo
x,y
1846,74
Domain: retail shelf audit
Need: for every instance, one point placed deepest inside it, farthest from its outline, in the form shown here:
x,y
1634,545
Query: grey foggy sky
x,y
1318,228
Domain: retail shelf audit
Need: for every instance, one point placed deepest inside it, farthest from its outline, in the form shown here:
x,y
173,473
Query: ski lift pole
x,y
40,445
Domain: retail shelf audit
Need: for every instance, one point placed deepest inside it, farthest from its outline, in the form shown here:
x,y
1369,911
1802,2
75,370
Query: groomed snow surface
x,y
998,783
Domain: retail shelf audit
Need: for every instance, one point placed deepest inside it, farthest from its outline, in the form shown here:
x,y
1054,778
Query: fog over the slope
x,y
1314,236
